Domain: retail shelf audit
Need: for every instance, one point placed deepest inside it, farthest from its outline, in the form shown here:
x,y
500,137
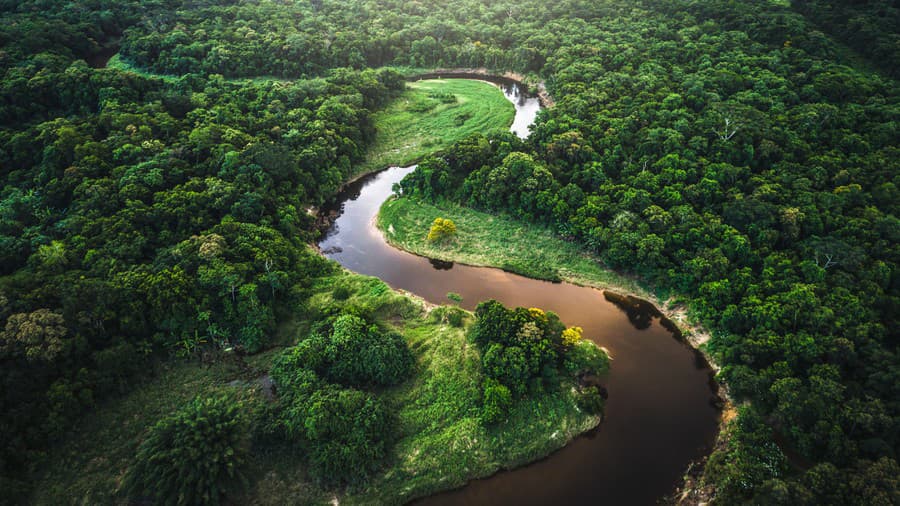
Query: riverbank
x,y
533,251
532,86
441,444
487,240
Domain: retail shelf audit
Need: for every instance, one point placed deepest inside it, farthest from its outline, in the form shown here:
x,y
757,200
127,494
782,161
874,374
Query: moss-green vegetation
x,y
440,440
433,114
495,241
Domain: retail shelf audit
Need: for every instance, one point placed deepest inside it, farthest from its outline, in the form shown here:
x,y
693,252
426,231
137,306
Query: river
x,y
660,414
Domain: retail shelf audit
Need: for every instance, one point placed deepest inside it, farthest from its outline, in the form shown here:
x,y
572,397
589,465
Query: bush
x,y
341,293
361,354
451,315
441,230
496,401
192,456
346,431
444,97
308,354
585,356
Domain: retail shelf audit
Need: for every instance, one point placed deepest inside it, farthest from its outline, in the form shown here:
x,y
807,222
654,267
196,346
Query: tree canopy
x,y
732,153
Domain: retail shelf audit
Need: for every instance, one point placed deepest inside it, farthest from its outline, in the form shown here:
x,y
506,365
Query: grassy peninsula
x,y
441,442
432,114
489,240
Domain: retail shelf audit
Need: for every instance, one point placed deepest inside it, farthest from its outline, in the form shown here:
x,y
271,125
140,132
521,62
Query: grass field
x,y
432,114
442,444
496,241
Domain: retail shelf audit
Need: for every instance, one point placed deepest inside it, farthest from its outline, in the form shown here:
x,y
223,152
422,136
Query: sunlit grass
x,y
495,241
415,125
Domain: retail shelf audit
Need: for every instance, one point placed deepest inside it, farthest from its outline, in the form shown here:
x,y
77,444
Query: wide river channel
x,y
659,416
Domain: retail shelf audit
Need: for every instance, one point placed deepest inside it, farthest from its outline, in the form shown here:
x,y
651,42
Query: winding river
x,y
659,416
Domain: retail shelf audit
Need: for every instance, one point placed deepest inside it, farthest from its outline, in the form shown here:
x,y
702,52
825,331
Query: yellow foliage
x,y
572,335
441,229
537,313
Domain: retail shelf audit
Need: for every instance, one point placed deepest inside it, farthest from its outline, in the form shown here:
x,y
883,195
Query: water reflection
x,y
640,312
440,265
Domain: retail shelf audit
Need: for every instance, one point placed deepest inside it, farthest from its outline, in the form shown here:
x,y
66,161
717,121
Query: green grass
x,y
415,125
496,241
441,444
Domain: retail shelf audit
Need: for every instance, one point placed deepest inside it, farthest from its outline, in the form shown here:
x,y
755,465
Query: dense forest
x,y
742,155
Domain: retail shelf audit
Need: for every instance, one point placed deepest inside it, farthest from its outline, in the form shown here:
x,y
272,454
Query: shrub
x,y
361,354
455,317
444,97
341,293
496,401
308,354
422,105
346,431
451,315
441,230
585,356
192,456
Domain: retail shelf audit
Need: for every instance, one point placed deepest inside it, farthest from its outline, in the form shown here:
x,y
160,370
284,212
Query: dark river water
x,y
659,415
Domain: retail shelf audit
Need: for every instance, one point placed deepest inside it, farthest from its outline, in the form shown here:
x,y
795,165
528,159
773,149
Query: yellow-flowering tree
x,y
571,336
441,229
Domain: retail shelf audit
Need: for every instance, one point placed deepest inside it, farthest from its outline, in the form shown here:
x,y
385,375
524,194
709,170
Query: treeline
x,y
294,39
758,179
141,217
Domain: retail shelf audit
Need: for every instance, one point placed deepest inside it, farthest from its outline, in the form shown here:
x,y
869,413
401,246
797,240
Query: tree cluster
x,y
343,430
727,151
143,217
523,352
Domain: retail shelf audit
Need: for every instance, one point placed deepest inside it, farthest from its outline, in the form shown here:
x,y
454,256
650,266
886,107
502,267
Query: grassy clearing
x,y
422,121
441,445
496,241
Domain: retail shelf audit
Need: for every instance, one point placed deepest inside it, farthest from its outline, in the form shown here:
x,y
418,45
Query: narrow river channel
x,y
659,415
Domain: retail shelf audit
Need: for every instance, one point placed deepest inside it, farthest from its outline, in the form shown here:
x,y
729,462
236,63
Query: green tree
x,y
193,456
39,336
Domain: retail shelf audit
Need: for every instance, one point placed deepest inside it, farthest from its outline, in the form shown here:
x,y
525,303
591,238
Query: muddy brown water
x,y
660,415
